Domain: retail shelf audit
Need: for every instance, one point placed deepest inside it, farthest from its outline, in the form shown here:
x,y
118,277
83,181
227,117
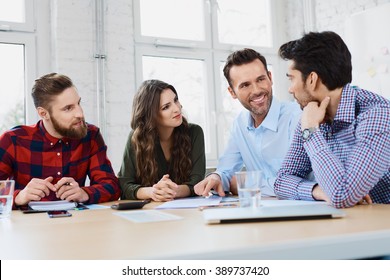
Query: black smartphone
x,y
130,205
58,214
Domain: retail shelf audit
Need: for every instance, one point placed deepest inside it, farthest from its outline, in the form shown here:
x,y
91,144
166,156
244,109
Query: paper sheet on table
x,y
229,199
147,216
97,206
193,202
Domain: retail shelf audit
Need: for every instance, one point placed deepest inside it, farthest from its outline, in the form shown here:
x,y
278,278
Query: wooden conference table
x,y
99,234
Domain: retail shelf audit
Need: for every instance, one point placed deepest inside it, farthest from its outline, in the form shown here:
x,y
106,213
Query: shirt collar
x,y
346,109
53,140
271,120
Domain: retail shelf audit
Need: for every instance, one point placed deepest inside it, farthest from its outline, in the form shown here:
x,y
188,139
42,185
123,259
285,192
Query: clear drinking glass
x,y
249,188
6,197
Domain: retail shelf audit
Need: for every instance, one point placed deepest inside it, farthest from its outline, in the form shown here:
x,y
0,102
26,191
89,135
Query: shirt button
x,y
58,173
58,154
51,144
60,141
329,134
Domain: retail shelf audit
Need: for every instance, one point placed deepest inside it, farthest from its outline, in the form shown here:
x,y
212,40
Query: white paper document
x,y
52,205
147,216
97,206
192,202
229,199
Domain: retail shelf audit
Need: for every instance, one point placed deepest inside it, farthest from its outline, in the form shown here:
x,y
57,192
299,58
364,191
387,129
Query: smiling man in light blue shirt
x,y
261,134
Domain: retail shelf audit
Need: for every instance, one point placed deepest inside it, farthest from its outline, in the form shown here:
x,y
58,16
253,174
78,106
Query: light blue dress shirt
x,y
262,148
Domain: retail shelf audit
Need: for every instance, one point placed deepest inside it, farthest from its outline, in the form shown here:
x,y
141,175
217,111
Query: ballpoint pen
x,y
80,206
227,205
210,194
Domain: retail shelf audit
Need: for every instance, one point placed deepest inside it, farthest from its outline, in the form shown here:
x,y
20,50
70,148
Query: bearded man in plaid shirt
x,y
52,159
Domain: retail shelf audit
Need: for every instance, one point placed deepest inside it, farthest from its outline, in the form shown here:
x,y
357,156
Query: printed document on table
x,y
147,216
193,202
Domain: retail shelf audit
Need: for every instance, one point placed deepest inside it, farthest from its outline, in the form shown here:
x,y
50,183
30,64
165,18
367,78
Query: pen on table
x,y
80,207
210,194
227,205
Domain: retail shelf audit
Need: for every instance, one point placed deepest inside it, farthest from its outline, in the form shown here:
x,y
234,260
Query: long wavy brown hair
x,y
146,105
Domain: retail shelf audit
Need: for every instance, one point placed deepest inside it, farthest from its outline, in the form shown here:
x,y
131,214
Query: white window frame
x,y
24,34
232,47
168,42
27,26
28,40
184,53
212,52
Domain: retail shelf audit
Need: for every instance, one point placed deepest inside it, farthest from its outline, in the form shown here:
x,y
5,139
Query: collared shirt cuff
x,y
305,190
224,179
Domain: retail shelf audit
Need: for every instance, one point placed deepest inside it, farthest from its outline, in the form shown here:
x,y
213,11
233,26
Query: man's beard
x,y
73,133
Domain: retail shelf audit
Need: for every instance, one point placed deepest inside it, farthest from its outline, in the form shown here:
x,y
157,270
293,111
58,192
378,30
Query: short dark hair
x,y
47,87
322,52
241,57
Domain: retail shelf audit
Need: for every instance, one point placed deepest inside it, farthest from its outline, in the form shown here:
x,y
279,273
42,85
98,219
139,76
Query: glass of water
x,y
249,188
6,197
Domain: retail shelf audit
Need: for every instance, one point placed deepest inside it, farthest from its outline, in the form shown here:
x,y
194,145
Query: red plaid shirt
x,y
28,152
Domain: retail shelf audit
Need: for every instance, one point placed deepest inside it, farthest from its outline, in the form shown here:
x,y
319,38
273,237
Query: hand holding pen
x,y
211,182
68,189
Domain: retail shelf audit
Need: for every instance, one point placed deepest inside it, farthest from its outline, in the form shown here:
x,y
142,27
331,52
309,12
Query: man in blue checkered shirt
x,y
343,137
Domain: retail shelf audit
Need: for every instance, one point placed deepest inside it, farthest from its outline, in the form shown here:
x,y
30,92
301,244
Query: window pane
x,y
12,110
246,23
230,108
176,19
188,76
12,10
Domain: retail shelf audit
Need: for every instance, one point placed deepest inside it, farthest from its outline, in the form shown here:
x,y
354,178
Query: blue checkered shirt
x,y
349,157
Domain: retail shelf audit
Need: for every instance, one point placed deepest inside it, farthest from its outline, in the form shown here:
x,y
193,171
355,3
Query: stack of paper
x,y
52,205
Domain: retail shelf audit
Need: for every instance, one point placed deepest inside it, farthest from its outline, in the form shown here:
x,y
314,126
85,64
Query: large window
x,y
17,67
12,108
185,43
16,15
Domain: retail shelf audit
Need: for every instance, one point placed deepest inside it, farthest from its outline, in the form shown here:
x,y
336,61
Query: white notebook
x,y
272,213
52,205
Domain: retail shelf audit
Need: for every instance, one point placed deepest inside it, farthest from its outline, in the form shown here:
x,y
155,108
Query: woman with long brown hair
x,y
164,156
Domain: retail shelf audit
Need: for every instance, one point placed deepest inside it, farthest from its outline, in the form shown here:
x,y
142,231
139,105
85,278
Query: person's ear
x,y
232,93
43,113
270,77
312,81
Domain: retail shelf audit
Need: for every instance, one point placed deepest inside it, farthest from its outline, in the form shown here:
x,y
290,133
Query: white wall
x,y
72,49
73,36
332,14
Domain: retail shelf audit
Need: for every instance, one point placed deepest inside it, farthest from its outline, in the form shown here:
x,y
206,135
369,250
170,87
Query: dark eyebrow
x,y
70,105
66,106
162,106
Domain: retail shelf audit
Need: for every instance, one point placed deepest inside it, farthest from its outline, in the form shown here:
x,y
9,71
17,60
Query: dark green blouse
x,y
127,173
